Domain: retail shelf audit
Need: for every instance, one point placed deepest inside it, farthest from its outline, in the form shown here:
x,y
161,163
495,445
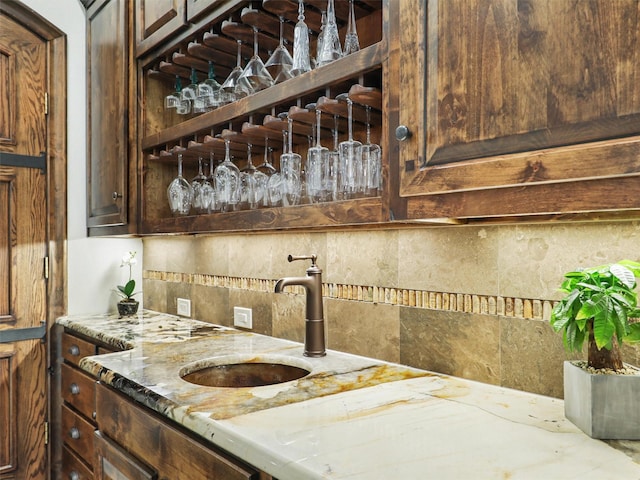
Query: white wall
x,y
93,263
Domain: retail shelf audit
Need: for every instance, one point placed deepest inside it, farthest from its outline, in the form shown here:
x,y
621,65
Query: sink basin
x,y
237,371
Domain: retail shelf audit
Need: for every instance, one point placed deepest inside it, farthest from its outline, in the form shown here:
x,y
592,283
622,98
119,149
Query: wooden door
x,y
157,20
23,249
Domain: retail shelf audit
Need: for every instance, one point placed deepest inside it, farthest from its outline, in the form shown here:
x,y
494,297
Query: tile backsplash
x,y
468,301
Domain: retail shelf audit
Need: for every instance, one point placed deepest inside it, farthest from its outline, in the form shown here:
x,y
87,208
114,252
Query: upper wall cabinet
x,y
532,108
156,20
111,167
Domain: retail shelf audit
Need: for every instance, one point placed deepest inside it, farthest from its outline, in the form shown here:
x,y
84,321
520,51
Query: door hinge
x,y
46,433
45,102
46,268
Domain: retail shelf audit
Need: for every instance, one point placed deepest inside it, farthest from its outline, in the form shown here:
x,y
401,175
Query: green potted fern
x,y
599,308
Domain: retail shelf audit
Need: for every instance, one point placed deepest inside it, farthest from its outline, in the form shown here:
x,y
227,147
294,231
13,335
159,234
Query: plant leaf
x,y
623,274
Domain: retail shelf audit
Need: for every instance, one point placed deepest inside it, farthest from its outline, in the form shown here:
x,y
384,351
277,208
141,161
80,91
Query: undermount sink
x,y
237,371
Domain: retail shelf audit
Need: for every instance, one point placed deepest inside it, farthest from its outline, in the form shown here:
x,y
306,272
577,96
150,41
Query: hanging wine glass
x,y
233,86
250,196
255,73
333,180
301,59
263,172
210,186
208,91
351,157
274,185
200,201
320,39
316,166
190,92
290,168
371,161
207,190
331,49
227,182
351,42
280,62
174,98
180,193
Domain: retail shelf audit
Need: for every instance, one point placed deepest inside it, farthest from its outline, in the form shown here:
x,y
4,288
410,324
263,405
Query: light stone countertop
x,y
352,417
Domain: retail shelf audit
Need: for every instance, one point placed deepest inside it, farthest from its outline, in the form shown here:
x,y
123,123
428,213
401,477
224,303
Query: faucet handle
x,y
313,258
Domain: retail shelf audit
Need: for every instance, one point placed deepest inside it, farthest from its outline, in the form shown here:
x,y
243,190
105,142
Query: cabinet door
x,y
531,108
195,8
108,91
156,20
114,463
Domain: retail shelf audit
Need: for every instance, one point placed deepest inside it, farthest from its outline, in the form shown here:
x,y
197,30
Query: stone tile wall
x,y
468,301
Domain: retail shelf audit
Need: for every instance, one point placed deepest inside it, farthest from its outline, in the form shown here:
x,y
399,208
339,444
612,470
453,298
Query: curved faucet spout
x,y
314,342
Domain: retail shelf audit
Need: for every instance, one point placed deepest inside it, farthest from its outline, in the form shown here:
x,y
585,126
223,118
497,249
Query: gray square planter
x,y
602,406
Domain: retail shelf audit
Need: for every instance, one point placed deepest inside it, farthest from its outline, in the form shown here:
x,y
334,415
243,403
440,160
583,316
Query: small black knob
x,y
402,133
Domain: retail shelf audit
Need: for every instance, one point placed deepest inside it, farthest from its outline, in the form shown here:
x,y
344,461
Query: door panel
x,y
23,248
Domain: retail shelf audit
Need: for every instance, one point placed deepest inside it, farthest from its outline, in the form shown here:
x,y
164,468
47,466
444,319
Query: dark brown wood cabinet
x,y
530,109
157,20
111,107
143,445
78,410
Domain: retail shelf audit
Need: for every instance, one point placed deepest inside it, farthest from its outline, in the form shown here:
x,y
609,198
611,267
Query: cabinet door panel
x,y
528,93
156,20
107,136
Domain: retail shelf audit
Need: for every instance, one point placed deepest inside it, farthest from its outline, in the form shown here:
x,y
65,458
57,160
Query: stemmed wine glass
x,y
180,193
351,156
371,160
190,92
235,87
274,185
175,100
227,182
290,168
263,173
351,42
207,190
255,73
331,49
280,62
249,192
317,164
208,91
199,202
301,59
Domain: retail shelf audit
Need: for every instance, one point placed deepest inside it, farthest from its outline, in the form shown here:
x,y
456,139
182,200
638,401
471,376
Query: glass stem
x,y
239,59
318,115
255,41
179,165
350,113
368,110
335,133
290,139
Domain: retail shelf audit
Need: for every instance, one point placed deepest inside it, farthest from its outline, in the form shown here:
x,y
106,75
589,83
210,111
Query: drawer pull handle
x,y
75,389
74,433
74,350
74,476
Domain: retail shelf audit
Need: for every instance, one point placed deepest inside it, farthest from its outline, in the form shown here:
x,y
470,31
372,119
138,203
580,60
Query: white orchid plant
x,y
126,291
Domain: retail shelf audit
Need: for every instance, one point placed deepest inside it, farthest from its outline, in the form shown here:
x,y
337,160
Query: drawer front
x,y
73,468
112,462
79,390
154,441
74,348
77,433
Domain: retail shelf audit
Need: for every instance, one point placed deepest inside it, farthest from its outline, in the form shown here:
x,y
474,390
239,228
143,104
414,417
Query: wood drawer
x,y
113,462
73,468
77,433
153,440
79,390
74,348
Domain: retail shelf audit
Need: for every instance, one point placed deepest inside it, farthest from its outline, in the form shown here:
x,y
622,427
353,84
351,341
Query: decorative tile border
x,y
454,302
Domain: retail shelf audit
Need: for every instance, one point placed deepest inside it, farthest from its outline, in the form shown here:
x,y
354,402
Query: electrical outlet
x,y
242,317
184,307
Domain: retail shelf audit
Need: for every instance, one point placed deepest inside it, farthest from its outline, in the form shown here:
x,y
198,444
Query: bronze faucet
x,y
314,342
